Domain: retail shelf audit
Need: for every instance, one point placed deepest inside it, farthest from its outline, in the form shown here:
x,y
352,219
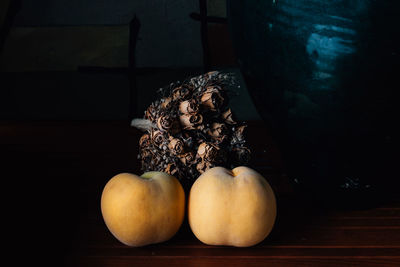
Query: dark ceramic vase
x,y
324,75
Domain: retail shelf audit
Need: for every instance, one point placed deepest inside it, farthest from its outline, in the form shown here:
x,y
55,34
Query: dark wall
x,y
168,36
51,40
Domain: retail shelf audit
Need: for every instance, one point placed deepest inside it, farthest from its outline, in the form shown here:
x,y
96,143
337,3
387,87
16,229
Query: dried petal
x,y
227,117
176,145
188,107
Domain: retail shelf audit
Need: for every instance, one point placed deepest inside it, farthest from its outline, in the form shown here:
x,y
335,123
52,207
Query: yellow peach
x,y
142,210
236,208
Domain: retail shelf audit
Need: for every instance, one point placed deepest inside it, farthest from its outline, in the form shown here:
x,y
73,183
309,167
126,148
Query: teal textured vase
x,y
324,74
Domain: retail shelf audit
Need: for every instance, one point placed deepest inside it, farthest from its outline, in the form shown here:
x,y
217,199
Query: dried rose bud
x,y
218,131
158,137
176,146
166,102
207,152
188,107
212,98
171,169
180,92
144,141
242,154
150,113
227,117
187,158
191,121
166,123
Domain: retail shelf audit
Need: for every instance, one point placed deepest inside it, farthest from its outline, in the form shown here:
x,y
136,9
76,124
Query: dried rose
x,y
207,152
218,131
212,98
166,123
176,145
158,137
227,117
187,158
171,169
188,107
191,121
181,92
144,141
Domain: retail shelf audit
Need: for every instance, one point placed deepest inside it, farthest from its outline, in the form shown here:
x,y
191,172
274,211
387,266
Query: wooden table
x,y
64,166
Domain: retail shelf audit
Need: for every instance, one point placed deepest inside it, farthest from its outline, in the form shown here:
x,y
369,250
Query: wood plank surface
x,y
78,158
